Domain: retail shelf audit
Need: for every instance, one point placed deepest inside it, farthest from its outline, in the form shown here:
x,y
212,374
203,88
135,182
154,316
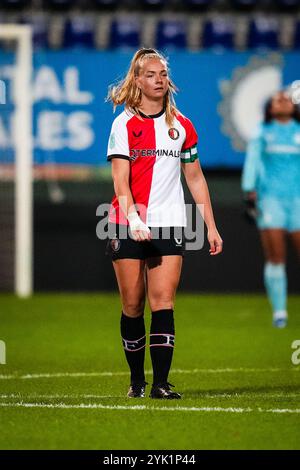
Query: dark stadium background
x,y
69,256
67,253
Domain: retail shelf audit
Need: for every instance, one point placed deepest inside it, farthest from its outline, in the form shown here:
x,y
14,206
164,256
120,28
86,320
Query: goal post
x,y
23,197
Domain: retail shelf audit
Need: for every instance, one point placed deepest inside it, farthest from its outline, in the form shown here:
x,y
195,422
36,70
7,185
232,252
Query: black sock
x,y
162,336
134,341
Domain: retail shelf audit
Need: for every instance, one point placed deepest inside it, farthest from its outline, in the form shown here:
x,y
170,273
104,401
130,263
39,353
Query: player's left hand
x,y
215,242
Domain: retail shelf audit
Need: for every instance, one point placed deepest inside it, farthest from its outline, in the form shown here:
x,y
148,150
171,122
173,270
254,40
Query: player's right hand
x,y
140,232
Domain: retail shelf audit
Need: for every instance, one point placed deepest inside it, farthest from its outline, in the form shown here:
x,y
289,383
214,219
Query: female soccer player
x,y
148,142
271,178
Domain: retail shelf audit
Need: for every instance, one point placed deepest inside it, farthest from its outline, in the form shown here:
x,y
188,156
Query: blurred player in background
x,y
271,181
150,142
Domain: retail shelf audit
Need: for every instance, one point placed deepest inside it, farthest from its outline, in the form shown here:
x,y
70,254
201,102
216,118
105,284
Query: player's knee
x,y
133,308
162,306
160,302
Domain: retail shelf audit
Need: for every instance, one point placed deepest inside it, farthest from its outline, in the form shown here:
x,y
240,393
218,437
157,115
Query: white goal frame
x,y
23,156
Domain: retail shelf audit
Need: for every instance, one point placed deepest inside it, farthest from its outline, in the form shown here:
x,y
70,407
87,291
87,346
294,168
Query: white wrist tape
x,y
136,223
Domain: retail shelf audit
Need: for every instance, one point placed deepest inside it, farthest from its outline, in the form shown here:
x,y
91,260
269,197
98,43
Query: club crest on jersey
x,y
115,244
173,133
137,134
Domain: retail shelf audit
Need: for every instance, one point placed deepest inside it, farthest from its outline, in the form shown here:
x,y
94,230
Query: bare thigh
x,y
131,282
274,245
163,275
295,237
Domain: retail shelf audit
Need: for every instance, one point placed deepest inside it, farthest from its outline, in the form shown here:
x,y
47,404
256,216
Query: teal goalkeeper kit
x,y
272,169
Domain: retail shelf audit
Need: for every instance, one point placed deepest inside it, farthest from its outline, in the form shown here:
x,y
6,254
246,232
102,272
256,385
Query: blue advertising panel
x,y
222,93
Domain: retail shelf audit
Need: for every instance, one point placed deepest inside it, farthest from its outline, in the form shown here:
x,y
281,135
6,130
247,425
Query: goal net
x,y
16,204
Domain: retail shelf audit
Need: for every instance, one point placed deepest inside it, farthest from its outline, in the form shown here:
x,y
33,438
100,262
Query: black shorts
x,y
165,241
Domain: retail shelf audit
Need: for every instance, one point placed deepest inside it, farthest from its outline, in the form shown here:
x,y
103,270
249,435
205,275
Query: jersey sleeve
x,y
252,163
189,152
118,146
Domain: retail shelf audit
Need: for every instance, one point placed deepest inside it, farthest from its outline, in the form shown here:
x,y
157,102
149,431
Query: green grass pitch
x,y
65,380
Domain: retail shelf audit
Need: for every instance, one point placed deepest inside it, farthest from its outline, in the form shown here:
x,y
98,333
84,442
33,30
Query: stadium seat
x,y
79,32
109,4
15,4
288,5
263,33
244,4
154,3
171,34
39,26
60,4
218,32
198,4
125,33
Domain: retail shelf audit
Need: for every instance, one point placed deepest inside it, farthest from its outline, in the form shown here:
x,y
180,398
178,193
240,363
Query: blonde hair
x,y
126,91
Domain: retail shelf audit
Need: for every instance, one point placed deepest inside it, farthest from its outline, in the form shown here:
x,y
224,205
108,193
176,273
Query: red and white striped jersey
x,y
155,152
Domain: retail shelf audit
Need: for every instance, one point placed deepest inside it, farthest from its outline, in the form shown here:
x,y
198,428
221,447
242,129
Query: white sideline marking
x,y
251,395
30,396
62,374
123,373
203,395
148,408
